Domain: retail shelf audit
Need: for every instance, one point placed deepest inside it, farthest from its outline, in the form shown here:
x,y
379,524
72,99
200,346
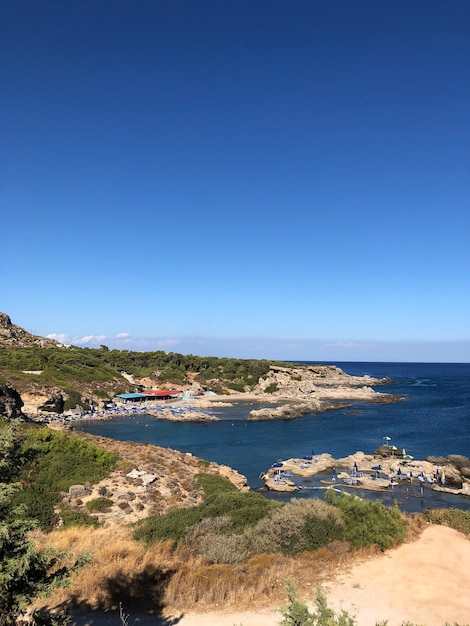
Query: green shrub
x,y
319,531
242,509
369,522
237,386
454,518
214,483
74,399
57,461
172,526
296,527
296,613
99,504
271,388
76,518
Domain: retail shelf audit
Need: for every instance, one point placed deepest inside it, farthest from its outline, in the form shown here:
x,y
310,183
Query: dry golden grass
x,y
152,577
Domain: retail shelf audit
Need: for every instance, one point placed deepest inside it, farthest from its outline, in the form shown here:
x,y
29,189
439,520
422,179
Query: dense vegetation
x,y
369,522
230,527
24,572
49,463
68,368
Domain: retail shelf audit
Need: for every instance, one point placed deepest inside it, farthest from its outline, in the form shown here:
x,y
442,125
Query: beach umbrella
x,y
307,457
278,464
387,439
377,469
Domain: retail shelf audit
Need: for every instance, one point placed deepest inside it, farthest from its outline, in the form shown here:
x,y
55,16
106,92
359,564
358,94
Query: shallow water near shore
x,y
432,419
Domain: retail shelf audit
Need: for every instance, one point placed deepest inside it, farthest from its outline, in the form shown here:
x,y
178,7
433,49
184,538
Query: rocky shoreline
x,y
383,470
291,392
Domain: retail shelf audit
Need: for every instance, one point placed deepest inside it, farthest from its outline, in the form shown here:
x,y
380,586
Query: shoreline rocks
x,y
296,391
381,471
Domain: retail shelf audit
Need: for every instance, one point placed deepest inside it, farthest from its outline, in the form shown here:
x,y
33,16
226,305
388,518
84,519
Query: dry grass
x,y
153,577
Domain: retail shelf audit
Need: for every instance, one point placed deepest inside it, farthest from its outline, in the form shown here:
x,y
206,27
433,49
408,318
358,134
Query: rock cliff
x,y
12,335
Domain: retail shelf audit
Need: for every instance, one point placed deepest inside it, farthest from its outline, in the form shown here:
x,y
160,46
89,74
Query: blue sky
x,y
256,179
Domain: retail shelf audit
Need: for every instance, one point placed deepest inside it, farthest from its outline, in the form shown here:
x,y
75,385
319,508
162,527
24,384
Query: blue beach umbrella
x,y
278,464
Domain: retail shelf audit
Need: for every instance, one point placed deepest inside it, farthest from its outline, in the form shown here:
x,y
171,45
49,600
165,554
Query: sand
x,y
425,582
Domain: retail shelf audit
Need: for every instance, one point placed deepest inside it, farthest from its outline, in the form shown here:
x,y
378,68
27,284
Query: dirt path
x,y
424,582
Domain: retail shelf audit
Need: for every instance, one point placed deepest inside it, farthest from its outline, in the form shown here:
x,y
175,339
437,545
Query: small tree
x,y
24,573
296,612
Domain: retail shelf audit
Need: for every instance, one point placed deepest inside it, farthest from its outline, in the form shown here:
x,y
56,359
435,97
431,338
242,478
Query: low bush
x,y
213,484
369,522
224,549
241,510
75,518
296,527
296,612
172,526
244,509
99,504
454,518
57,461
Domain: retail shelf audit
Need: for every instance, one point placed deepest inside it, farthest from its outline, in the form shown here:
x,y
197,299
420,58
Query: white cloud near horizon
x,y
283,349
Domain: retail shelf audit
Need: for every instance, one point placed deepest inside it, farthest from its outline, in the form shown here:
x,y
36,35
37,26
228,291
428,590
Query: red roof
x,y
167,392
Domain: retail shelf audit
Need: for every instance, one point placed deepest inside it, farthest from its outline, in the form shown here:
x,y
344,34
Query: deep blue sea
x,y
432,419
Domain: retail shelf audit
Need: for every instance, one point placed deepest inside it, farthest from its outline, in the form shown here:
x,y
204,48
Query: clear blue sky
x,y
243,178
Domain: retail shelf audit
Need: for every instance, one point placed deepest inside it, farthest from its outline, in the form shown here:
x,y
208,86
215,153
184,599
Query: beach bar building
x,y
145,396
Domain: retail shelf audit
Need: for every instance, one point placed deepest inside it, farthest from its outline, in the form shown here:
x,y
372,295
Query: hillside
x,y
12,335
39,377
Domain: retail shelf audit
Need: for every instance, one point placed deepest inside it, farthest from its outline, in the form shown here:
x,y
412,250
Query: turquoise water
x,y
433,419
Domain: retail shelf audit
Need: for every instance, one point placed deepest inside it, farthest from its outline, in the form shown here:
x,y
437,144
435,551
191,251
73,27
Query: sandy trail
x,y
424,582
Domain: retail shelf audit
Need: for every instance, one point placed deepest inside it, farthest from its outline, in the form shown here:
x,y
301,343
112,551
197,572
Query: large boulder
x,y
54,404
10,402
459,461
388,451
437,460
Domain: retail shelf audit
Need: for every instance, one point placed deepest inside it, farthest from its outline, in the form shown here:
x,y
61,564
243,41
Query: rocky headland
x,y
299,390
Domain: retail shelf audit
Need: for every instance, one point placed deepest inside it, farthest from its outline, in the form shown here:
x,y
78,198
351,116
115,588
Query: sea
x,y
432,418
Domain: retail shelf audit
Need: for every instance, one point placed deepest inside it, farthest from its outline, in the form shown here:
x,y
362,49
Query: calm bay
x,y
432,419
